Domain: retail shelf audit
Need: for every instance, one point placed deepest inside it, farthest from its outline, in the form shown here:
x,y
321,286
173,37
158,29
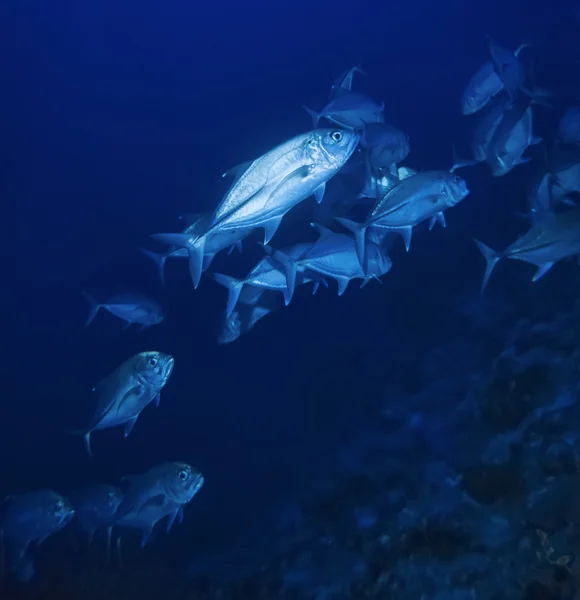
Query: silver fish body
x,y
548,241
350,110
275,183
132,308
128,390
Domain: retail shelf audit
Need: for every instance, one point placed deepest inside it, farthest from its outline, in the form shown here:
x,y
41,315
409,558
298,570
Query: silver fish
x,y
547,241
386,146
132,308
569,128
177,482
275,183
128,390
351,110
564,167
482,87
334,256
508,66
32,517
95,506
424,196
253,305
266,275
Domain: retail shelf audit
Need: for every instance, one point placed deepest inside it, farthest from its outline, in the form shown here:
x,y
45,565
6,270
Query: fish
x,y
343,83
253,305
131,308
178,241
334,256
564,167
508,67
177,482
386,146
569,127
511,138
95,507
270,186
484,85
548,241
32,517
127,391
266,275
539,197
423,196
350,110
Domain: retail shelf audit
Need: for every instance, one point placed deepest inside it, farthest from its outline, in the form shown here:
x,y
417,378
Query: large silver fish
x,y
273,184
424,196
548,241
132,308
128,390
32,517
482,87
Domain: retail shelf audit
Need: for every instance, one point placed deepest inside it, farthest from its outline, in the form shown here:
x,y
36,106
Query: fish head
x,y
454,189
154,367
181,482
329,149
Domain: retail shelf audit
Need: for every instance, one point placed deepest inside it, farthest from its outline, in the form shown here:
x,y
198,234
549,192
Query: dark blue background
x,y
119,116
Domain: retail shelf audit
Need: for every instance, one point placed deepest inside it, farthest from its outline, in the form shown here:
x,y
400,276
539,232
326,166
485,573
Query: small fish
x,y
482,87
421,197
343,83
569,128
132,308
266,275
351,110
253,305
271,185
128,390
547,241
175,481
32,517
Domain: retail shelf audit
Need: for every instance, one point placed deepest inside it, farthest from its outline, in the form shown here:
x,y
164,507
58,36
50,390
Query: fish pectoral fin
x,y
299,173
129,426
157,399
542,270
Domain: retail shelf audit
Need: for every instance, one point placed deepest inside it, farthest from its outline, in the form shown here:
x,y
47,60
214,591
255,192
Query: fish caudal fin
x,y
194,246
159,260
359,232
234,286
491,259
94,307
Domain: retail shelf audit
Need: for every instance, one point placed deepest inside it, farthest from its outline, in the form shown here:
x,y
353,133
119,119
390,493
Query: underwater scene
x,y
291,300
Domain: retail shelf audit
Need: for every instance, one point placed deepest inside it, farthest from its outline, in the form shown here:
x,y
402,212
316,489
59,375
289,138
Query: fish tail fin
x,y
288,264
94,307
315,116
159,259
491,259
234,286
195,247
359,231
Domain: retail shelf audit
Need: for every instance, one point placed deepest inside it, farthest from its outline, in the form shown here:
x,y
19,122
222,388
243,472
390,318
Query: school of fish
x,y
353,243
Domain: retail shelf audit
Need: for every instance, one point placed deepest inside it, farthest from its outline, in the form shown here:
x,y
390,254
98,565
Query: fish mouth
x,y
168,367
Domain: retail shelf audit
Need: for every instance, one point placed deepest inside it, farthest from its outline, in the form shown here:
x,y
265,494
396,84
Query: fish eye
x,y
457,179
336,136
152,362
59,505
183,474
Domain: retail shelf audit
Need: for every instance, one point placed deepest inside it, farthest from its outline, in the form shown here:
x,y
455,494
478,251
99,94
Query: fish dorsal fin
x,y
237,171
406,172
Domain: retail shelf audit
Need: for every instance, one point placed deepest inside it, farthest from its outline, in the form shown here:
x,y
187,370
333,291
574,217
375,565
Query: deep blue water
x,y
117,117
